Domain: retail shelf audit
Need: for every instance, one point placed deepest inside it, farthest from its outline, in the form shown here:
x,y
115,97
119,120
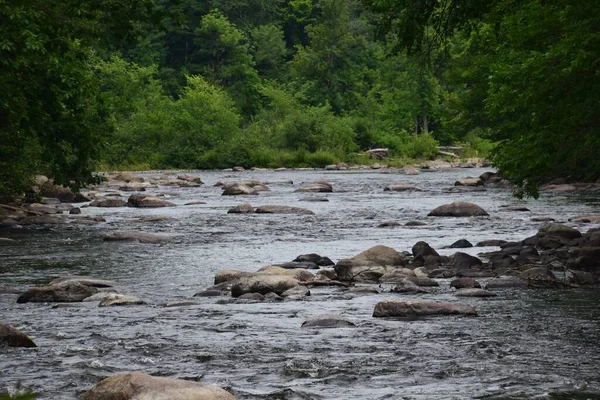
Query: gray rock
x,y
244,208
463,260
493,242
147,201
402,187
458,209
108,202
263,284
239,190
115,299
406,286
422,281
421,249
559,230
84,280
316,187
278,209
418,308
474,292
505,283
461,244
328,321
140,386
465,283
296,292
130,236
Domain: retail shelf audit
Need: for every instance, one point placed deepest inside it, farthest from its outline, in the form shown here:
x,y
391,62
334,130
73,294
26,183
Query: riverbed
x,y
525,343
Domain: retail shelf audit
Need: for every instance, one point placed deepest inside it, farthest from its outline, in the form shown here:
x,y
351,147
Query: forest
x,y
189,84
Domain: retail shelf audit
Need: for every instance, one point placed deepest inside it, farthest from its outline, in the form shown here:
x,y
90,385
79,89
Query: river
x,y
524,343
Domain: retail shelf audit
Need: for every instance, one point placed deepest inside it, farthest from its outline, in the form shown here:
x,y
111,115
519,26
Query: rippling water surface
x,y
524,344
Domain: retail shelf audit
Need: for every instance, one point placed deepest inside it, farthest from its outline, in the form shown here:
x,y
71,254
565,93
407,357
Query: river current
x,y
525,343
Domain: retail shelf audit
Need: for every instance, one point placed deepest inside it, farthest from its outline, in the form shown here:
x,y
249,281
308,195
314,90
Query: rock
x,y
463,260
277,209
302,275
108,202
469,182
97,297
559,230
239,190
328,321
402,187
421,249
126,177
458,209
190,178
396,275
585,258
474,292
263,284
418,308
389,224
379,153
415,223
298,265
134,187
65,195
493,242
179,303
559,188
421,272
590,218
8,290
83,280
115,299
422,281
465,283
210,293
517,208
314,199
537,276
461,244
75,211
252,297
582,278
365,265
194,203
314,258
227,275
244,208
147,201
405,286
296,292
316,187
248,182
505,283
131,236
12,337
140,386
62,293
441,273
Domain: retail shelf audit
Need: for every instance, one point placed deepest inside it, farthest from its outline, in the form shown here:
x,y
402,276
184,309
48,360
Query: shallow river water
x,y
524,343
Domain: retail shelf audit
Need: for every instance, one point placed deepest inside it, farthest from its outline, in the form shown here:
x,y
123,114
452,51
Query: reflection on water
x,y
524,344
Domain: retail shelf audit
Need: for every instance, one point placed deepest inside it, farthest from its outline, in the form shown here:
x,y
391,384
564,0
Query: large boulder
x,y
263,284
277,209
62,193
559,230
369,265
422,249
131,236
147,201
12,337
458,209
463,260
140,386
418,308
239,189
62,293
228,275
108,202
244,208
328,321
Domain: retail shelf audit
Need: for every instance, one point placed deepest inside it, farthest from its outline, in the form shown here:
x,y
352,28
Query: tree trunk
x,y
425,125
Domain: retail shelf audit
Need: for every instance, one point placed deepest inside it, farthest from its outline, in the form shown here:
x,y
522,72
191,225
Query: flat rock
x,y
587,219
84,280
328,321
316,187
278,209
469,182
12,337
147,201
131,236
108,202
458,209
465,283
558,230
296,292
239,190
474,292
244,208
115,299
418,308
490,243
140,386
402,187
68,292
263,284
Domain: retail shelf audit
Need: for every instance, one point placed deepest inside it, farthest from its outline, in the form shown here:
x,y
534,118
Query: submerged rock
x,y
278,209
147,201
108,202
140,386
115,299
12,337
83,280
474,292
244,208
130,236
465,283
418,308
62,293
458,209
402,187
239,189
328,321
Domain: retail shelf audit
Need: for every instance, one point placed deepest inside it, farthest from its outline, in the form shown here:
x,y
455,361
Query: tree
x,y
51,119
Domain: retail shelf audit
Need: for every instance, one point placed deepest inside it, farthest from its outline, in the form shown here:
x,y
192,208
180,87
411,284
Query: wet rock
x,y
586,219
538,276
108,202
365,265
239,190
272,297
62,293
395,276
558,230
140,386
316,187
461,244
418,308
43,220
516,208
389,224
115,299
551,242
277,209
421,272
244,208
263,284
469,182
12,337
83,280
465,283
131,236
126,177
402,187
326,274
227,275
501,261
585,258
296,292
458,209
134,187
474,292
505,283
441,273
328,321
565,187
147,201
490,243
49,189
314,258
581,278
75,211
179,303
97,297
421,249
408,287
190,178
422,281
302,275
474,273
298,265
463,260
362,290
210,293
314,199
415,223
252,297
